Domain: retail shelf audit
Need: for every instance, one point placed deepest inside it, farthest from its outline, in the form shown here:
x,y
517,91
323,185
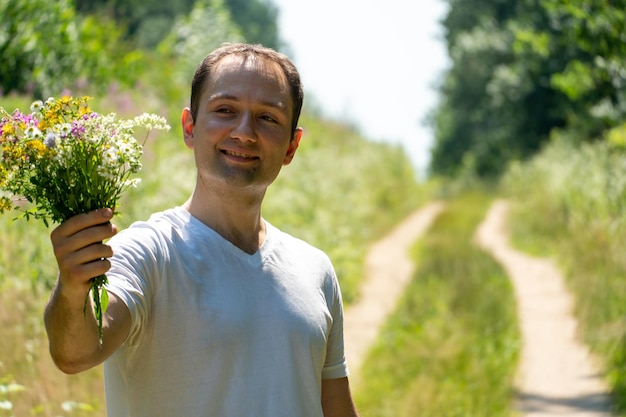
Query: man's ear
x,y
186,120
293,146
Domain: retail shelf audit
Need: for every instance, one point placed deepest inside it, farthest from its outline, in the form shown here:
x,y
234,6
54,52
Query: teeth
x,y
240,155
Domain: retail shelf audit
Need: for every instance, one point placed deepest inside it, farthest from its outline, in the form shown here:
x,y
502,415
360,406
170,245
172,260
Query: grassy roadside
x,y
451,347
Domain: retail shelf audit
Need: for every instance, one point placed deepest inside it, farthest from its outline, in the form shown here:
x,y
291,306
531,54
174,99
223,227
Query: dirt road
x,y
557,374
388,271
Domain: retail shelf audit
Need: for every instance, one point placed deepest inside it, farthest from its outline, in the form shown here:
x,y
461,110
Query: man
x,y
212,311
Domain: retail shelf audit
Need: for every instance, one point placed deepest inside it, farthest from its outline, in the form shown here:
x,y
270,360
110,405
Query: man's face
x,y
242,134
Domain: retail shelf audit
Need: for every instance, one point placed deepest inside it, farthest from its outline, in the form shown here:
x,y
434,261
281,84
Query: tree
x,y
207,26
467,130
46,47
148,22
257,20
38,46
594,78
520,71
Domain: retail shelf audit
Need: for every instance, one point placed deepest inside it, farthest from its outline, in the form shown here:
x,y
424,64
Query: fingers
x,y
86,263
81,222
75,282
78,247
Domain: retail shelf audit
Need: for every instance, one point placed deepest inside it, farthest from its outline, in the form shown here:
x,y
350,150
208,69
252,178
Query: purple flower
x,y
29,119
77,129
50,141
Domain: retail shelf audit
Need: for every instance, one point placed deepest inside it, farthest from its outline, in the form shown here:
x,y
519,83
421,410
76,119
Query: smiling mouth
x,y
240,155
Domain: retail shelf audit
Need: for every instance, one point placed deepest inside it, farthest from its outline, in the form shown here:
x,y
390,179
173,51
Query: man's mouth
x,y
239,155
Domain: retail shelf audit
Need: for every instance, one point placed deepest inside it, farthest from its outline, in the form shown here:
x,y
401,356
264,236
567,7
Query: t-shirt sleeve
x,y
336,365
133,275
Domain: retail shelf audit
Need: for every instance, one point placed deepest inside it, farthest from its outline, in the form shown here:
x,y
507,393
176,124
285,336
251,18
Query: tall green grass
x,y
571,204
451,347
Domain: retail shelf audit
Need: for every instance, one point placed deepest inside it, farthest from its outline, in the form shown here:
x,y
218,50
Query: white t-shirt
x,y
218,332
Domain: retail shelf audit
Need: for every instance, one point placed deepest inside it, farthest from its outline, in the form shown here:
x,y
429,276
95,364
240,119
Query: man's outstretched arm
x,y
71,327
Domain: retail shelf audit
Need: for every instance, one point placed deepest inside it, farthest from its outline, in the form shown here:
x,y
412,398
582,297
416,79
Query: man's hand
x,y
79,251
72,329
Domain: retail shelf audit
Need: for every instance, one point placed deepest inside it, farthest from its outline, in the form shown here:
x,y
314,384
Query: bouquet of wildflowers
x,y
63,159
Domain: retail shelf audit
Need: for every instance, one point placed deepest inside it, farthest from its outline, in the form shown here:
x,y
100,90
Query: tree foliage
x,y
149,21
47,46
521,69
38,44
194,35
257,19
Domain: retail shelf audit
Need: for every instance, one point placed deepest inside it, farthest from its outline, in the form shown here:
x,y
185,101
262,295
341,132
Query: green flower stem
x,y
100,299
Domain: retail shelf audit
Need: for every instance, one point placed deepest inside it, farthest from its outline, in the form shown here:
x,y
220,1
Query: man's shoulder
x,y
155,228
286,238
294,244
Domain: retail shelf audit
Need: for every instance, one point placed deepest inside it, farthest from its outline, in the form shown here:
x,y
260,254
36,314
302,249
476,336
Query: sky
x,y
371,63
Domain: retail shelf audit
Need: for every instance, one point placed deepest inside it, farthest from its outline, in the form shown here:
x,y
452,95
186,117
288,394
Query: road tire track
x,y
557,375
388,271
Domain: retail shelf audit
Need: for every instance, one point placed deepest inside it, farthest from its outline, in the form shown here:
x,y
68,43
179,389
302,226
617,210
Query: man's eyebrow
x,y
279,105
222,96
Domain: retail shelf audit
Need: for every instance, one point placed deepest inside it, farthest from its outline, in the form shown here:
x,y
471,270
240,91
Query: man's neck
x,y
236,217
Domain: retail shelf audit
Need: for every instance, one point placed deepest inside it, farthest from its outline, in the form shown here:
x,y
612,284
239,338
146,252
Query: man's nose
x,y
244,129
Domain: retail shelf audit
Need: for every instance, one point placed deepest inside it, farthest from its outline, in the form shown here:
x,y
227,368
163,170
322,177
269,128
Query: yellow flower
x,y
50,118
84,110
8,130
5,204
12,153
37,146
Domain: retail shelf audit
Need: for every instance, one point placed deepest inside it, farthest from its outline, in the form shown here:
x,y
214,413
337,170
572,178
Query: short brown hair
x,y
203,72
